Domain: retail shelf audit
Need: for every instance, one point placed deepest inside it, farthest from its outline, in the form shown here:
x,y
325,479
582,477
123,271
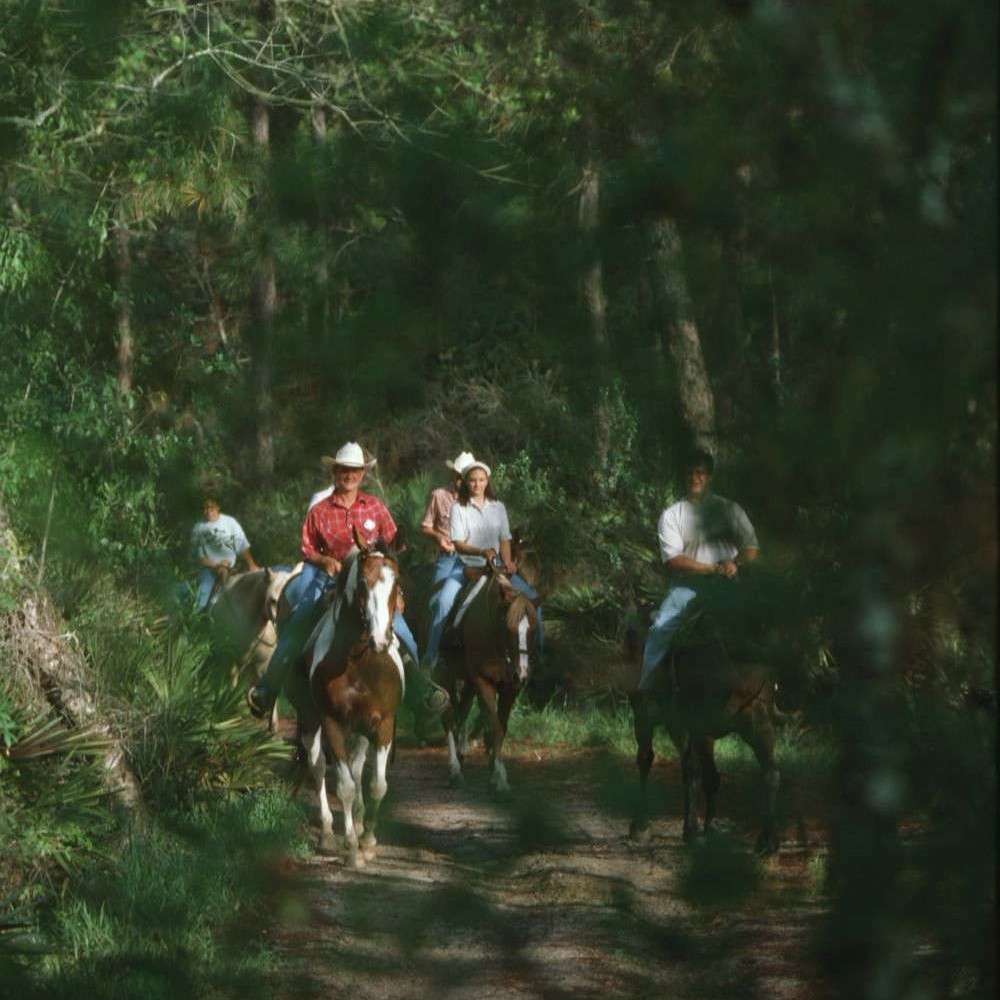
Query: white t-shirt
x,y
482,529
316,497
221,540
711,531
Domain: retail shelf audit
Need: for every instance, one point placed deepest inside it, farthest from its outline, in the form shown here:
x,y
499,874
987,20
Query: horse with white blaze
x,y
347,689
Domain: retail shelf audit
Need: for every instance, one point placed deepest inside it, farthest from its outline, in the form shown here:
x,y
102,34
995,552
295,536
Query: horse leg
x,y
359,753
689,777
643,724
758,733
710,780
377,787
336,740
455,723
488,702
507,696
312,741
465,703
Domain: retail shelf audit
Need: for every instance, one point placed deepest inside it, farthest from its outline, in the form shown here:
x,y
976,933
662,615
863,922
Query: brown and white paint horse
x,y
497,625
354,688
244,624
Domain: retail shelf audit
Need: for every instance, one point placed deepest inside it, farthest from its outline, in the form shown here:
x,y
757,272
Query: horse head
x,y
372,590
520,624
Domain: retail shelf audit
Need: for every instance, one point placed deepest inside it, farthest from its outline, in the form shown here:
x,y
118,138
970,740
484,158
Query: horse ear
x,y
268,574
359,541
397,546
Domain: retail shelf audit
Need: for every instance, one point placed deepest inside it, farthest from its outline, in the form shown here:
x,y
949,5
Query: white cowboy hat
x,y
350,456
459,464
476,464
327,462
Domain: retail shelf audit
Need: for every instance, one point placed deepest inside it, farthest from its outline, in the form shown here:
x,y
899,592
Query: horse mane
x,y
520,607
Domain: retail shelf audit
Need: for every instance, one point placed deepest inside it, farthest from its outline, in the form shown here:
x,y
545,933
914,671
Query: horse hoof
x,y
355,860
690,834
368,853
327,846
368,841
639,832
456,779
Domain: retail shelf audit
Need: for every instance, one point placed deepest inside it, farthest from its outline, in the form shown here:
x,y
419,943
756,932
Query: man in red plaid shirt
x,y
327,538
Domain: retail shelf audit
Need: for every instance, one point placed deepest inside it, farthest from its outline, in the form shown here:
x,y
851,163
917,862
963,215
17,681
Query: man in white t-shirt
x,y
218,542
701,536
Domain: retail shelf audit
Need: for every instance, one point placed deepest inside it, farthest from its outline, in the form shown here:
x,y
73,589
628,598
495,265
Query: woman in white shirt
x,y
480,532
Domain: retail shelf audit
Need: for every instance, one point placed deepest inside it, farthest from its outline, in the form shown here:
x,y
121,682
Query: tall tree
x,y
680,331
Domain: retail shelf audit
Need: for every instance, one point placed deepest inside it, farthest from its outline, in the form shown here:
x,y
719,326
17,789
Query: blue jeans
x,y
204,587
447,583
666,621
448,579
307,593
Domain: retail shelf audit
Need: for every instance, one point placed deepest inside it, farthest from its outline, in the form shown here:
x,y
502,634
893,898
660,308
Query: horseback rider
x,y
701,537
218,542
478,531
327,538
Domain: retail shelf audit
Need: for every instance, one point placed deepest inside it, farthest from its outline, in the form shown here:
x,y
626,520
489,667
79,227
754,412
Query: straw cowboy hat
x,y
350,456
459,464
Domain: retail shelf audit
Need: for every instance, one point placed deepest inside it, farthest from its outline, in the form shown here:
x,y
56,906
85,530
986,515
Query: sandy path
x,y
542,896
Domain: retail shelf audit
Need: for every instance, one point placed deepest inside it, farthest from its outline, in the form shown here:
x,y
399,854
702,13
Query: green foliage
x,y
171,911
831,174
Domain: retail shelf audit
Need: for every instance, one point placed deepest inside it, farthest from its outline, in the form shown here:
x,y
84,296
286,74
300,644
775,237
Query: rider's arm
x,y
248,560
439,537
685,564
311,543
747,556
427,525
507,557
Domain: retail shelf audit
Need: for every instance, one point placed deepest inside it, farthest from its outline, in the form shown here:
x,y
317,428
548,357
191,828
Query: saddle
x,y
451,637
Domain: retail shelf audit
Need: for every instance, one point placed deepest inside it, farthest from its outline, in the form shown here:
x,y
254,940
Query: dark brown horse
x,y
703,695
497,626
347,693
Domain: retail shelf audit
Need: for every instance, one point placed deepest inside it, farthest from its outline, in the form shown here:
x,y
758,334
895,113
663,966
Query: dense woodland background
x,y
575,236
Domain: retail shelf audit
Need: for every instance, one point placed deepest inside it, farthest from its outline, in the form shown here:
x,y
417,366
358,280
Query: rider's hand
x,y
330,565
510,567
728,569
489,555
446,546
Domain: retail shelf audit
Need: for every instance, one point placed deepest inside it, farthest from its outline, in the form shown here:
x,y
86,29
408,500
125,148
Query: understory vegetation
x,y
579,238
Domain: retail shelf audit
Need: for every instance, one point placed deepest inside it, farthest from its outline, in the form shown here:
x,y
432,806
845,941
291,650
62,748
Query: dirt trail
x,y
541,895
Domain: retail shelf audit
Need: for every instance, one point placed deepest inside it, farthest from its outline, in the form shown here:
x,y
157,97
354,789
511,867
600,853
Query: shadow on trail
x,y
540,895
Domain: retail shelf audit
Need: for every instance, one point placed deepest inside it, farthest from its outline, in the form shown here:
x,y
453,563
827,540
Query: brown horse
x,y
497,625
348,692
244,619
702,696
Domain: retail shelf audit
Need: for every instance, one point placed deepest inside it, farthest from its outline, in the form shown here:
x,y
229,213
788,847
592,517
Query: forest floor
x,y
543,895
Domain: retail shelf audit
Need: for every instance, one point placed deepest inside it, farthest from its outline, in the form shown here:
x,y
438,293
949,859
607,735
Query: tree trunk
x,y
593,278
322,270
695,396
55,670
122,254
774,354
595,304
264,299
